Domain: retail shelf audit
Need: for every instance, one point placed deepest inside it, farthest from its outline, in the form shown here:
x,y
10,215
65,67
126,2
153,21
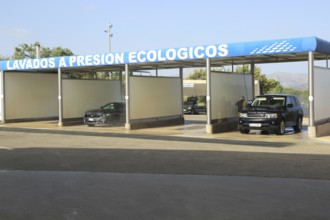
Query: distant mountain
x,y
291,80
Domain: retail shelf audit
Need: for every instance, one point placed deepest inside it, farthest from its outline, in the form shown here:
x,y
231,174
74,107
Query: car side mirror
x,y
290,105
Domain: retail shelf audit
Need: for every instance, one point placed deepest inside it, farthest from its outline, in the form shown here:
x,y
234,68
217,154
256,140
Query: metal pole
x,y
37,45
121,84
2,96
311,88
127,125
181,78
109,35
252,76
60,100
208,92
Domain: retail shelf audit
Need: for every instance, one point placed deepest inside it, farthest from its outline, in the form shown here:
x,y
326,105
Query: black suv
x,y
272,113
112,114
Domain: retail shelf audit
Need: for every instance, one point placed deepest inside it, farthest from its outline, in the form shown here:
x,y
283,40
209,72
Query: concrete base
x,y
128,126
319,130
209,129
152,123
222,125
312,132
31,119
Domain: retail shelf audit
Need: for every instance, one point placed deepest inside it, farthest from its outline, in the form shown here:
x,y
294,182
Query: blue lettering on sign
x,y
293,45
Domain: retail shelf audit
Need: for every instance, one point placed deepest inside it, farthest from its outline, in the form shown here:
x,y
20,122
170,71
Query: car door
x,y
297,109
290,111
123,112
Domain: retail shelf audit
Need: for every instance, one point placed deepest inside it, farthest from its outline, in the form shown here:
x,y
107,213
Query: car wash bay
x,y
25,94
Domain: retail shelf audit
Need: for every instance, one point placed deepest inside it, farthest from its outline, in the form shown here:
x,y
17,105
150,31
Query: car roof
x,y
271,95
115,103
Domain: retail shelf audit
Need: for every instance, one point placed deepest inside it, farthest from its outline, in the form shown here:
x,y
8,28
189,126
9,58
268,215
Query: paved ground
x,y
173,173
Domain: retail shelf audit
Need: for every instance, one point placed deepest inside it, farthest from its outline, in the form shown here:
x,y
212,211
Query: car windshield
x,y
110,106
268,101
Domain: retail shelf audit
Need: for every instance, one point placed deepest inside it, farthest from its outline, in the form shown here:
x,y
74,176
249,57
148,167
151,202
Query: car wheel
x,y
298,126
91,125
281,128
244,131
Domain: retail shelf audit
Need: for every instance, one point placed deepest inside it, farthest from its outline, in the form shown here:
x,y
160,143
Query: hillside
x,y
291,80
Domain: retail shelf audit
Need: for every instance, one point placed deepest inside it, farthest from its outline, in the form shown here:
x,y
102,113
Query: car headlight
x,y
271,115
189,108
243,115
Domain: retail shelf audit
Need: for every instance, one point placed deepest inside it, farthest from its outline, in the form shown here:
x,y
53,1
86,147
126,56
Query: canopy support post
x,y
208,97
60,98
127,97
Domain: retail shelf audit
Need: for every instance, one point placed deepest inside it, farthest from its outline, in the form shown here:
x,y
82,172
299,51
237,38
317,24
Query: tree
x,y
55,52
266,85
198,74
29,51
4,57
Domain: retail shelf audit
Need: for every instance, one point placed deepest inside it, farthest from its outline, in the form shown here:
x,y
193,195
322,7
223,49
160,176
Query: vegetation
x,y
266,85
4,58
198,74
29,51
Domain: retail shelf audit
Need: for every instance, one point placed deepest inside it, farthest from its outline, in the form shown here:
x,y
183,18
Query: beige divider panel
x,y
1,107
321,94
31,95
226,90
152,97
82,95
194,87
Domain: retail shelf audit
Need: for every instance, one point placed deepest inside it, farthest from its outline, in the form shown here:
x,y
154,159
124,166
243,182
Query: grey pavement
x,y
84,195
161,174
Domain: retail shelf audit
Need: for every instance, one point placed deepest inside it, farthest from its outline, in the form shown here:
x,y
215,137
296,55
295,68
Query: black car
x,y
191,107
111,114
272,113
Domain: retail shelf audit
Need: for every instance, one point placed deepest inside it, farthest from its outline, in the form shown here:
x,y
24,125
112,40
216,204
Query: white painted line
x,y
6,148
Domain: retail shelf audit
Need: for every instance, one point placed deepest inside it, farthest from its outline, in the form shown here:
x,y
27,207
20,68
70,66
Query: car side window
x,y
297,102
288,101
293,101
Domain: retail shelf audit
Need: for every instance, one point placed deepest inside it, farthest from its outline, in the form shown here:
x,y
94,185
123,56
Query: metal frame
x,y
311,88
127,96
2,97
208,91
60,100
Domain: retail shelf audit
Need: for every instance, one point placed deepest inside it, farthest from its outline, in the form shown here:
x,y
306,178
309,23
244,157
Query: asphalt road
x,y
51,175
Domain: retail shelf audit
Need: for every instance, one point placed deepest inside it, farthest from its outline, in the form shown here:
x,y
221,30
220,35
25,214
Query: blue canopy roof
x,y
257,52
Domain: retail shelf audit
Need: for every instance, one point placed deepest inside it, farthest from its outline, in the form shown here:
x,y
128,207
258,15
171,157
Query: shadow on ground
x,y
167,162
154,137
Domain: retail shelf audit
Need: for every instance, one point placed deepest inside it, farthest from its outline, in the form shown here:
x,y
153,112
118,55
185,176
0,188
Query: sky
x,y
145,24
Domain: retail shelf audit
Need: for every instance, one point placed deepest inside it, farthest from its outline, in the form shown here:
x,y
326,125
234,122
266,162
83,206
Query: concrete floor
x,y
177,172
